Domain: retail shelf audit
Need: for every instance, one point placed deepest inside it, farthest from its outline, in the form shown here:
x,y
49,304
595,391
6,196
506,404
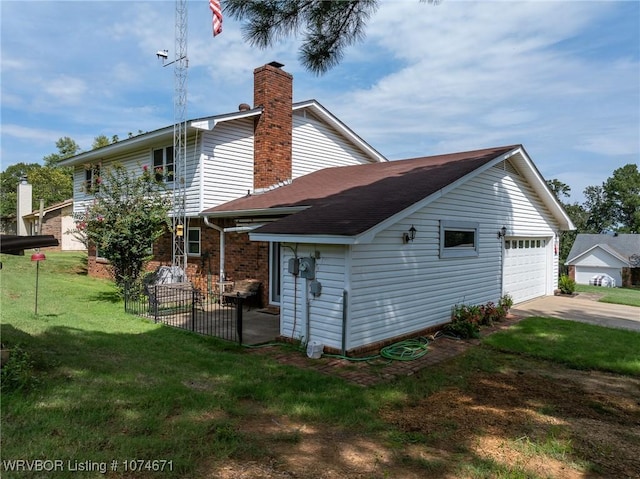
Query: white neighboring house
x,y
373,253
617,255
229,156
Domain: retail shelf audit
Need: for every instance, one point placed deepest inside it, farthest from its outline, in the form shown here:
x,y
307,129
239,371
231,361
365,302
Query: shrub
x,y
17,374
505,304
465,321
566,284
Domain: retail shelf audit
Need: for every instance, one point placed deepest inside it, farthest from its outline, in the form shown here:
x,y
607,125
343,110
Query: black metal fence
x,y
182,306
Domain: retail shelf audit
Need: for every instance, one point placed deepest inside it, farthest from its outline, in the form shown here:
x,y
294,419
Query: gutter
x,y
221,231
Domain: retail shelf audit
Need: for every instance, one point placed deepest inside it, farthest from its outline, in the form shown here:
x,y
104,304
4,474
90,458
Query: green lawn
x,y
90,382
577,345
628,296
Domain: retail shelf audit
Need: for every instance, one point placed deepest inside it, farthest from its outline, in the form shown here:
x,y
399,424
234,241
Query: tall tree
x,y
597,204
577,214
328,27
559,189
129,212
50,183
622,190
100,141
66,149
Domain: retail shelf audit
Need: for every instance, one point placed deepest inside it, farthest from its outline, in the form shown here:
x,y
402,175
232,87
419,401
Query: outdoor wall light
x,y
503,232
409,235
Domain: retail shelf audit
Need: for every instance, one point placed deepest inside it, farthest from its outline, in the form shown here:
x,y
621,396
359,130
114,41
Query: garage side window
x,y
458,239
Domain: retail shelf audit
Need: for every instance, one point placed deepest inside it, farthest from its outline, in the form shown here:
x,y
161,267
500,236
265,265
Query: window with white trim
x,y
458,239
193,242
92,178
163,164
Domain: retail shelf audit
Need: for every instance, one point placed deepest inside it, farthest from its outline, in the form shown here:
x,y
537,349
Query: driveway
x,y
584,308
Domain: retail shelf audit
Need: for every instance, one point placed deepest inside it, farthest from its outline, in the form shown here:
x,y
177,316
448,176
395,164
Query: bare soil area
x,y
546,422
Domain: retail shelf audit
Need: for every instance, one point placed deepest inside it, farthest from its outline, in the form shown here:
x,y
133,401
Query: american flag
x,y
215,7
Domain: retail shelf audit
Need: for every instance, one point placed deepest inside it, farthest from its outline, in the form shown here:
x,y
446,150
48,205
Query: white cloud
x,y
66,89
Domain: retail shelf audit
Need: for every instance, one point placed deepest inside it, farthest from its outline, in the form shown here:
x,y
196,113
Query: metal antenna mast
x,y
181,64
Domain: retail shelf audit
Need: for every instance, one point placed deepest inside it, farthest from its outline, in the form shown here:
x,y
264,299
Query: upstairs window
x,y
163,164
91,178
458,239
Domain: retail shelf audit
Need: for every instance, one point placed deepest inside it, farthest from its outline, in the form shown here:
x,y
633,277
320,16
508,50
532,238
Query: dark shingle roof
x,y
625,245
349,200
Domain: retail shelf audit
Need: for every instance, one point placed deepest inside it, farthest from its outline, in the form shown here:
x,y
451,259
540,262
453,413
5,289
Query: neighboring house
x,y
57,220
617,255
365,255
230,156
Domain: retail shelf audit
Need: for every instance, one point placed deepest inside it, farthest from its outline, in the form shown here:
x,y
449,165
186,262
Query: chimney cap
x,y
276,64
244,107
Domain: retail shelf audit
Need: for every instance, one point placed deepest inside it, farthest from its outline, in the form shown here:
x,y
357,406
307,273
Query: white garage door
x,y
585,273
525,268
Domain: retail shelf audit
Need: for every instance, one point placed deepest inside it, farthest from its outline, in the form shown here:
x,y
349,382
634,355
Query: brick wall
x,y
52,225
272,90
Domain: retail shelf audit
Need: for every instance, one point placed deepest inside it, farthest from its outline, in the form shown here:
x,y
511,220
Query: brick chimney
x,y
273,91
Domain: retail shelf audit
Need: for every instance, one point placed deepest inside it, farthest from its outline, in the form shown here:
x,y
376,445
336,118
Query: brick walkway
x,y
369,373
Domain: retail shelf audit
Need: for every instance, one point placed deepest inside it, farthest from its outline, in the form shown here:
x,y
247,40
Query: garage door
x,y
585,273
525,268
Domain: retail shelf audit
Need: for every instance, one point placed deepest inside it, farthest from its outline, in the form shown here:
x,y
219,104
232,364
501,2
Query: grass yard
x,y
628,296
91,385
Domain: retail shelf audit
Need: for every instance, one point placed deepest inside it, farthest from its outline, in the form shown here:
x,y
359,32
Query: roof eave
x,y
210,123
206,123
251,213
598,246
537,182
303,238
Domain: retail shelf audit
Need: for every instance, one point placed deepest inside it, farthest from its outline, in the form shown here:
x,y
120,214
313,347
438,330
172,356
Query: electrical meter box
x,y
307,268
316,288
293,266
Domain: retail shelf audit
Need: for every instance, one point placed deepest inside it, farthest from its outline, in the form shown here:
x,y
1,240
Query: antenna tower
x,y
181,64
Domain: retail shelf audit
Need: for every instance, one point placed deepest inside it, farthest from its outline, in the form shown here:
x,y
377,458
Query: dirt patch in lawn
x,y
540,422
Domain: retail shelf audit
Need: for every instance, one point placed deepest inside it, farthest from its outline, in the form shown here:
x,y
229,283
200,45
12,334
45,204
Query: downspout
x,y
221,231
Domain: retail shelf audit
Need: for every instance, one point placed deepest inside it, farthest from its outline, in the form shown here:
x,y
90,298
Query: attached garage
x,y
525,268
390,248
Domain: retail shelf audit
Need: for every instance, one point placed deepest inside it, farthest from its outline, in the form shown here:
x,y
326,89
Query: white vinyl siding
x,y
317,146
400,288
134,161
325,311
227,159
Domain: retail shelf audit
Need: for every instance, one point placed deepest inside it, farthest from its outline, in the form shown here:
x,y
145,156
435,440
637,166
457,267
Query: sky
x,y
562,78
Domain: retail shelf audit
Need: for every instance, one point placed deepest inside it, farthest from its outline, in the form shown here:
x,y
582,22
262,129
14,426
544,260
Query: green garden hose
x,y
406,350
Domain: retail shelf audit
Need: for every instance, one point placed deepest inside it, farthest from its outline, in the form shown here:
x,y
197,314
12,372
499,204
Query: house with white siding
x,y
365,255
229,156
616,255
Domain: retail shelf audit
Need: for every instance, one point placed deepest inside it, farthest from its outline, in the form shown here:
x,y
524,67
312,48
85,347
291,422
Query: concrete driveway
x,y
584,308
